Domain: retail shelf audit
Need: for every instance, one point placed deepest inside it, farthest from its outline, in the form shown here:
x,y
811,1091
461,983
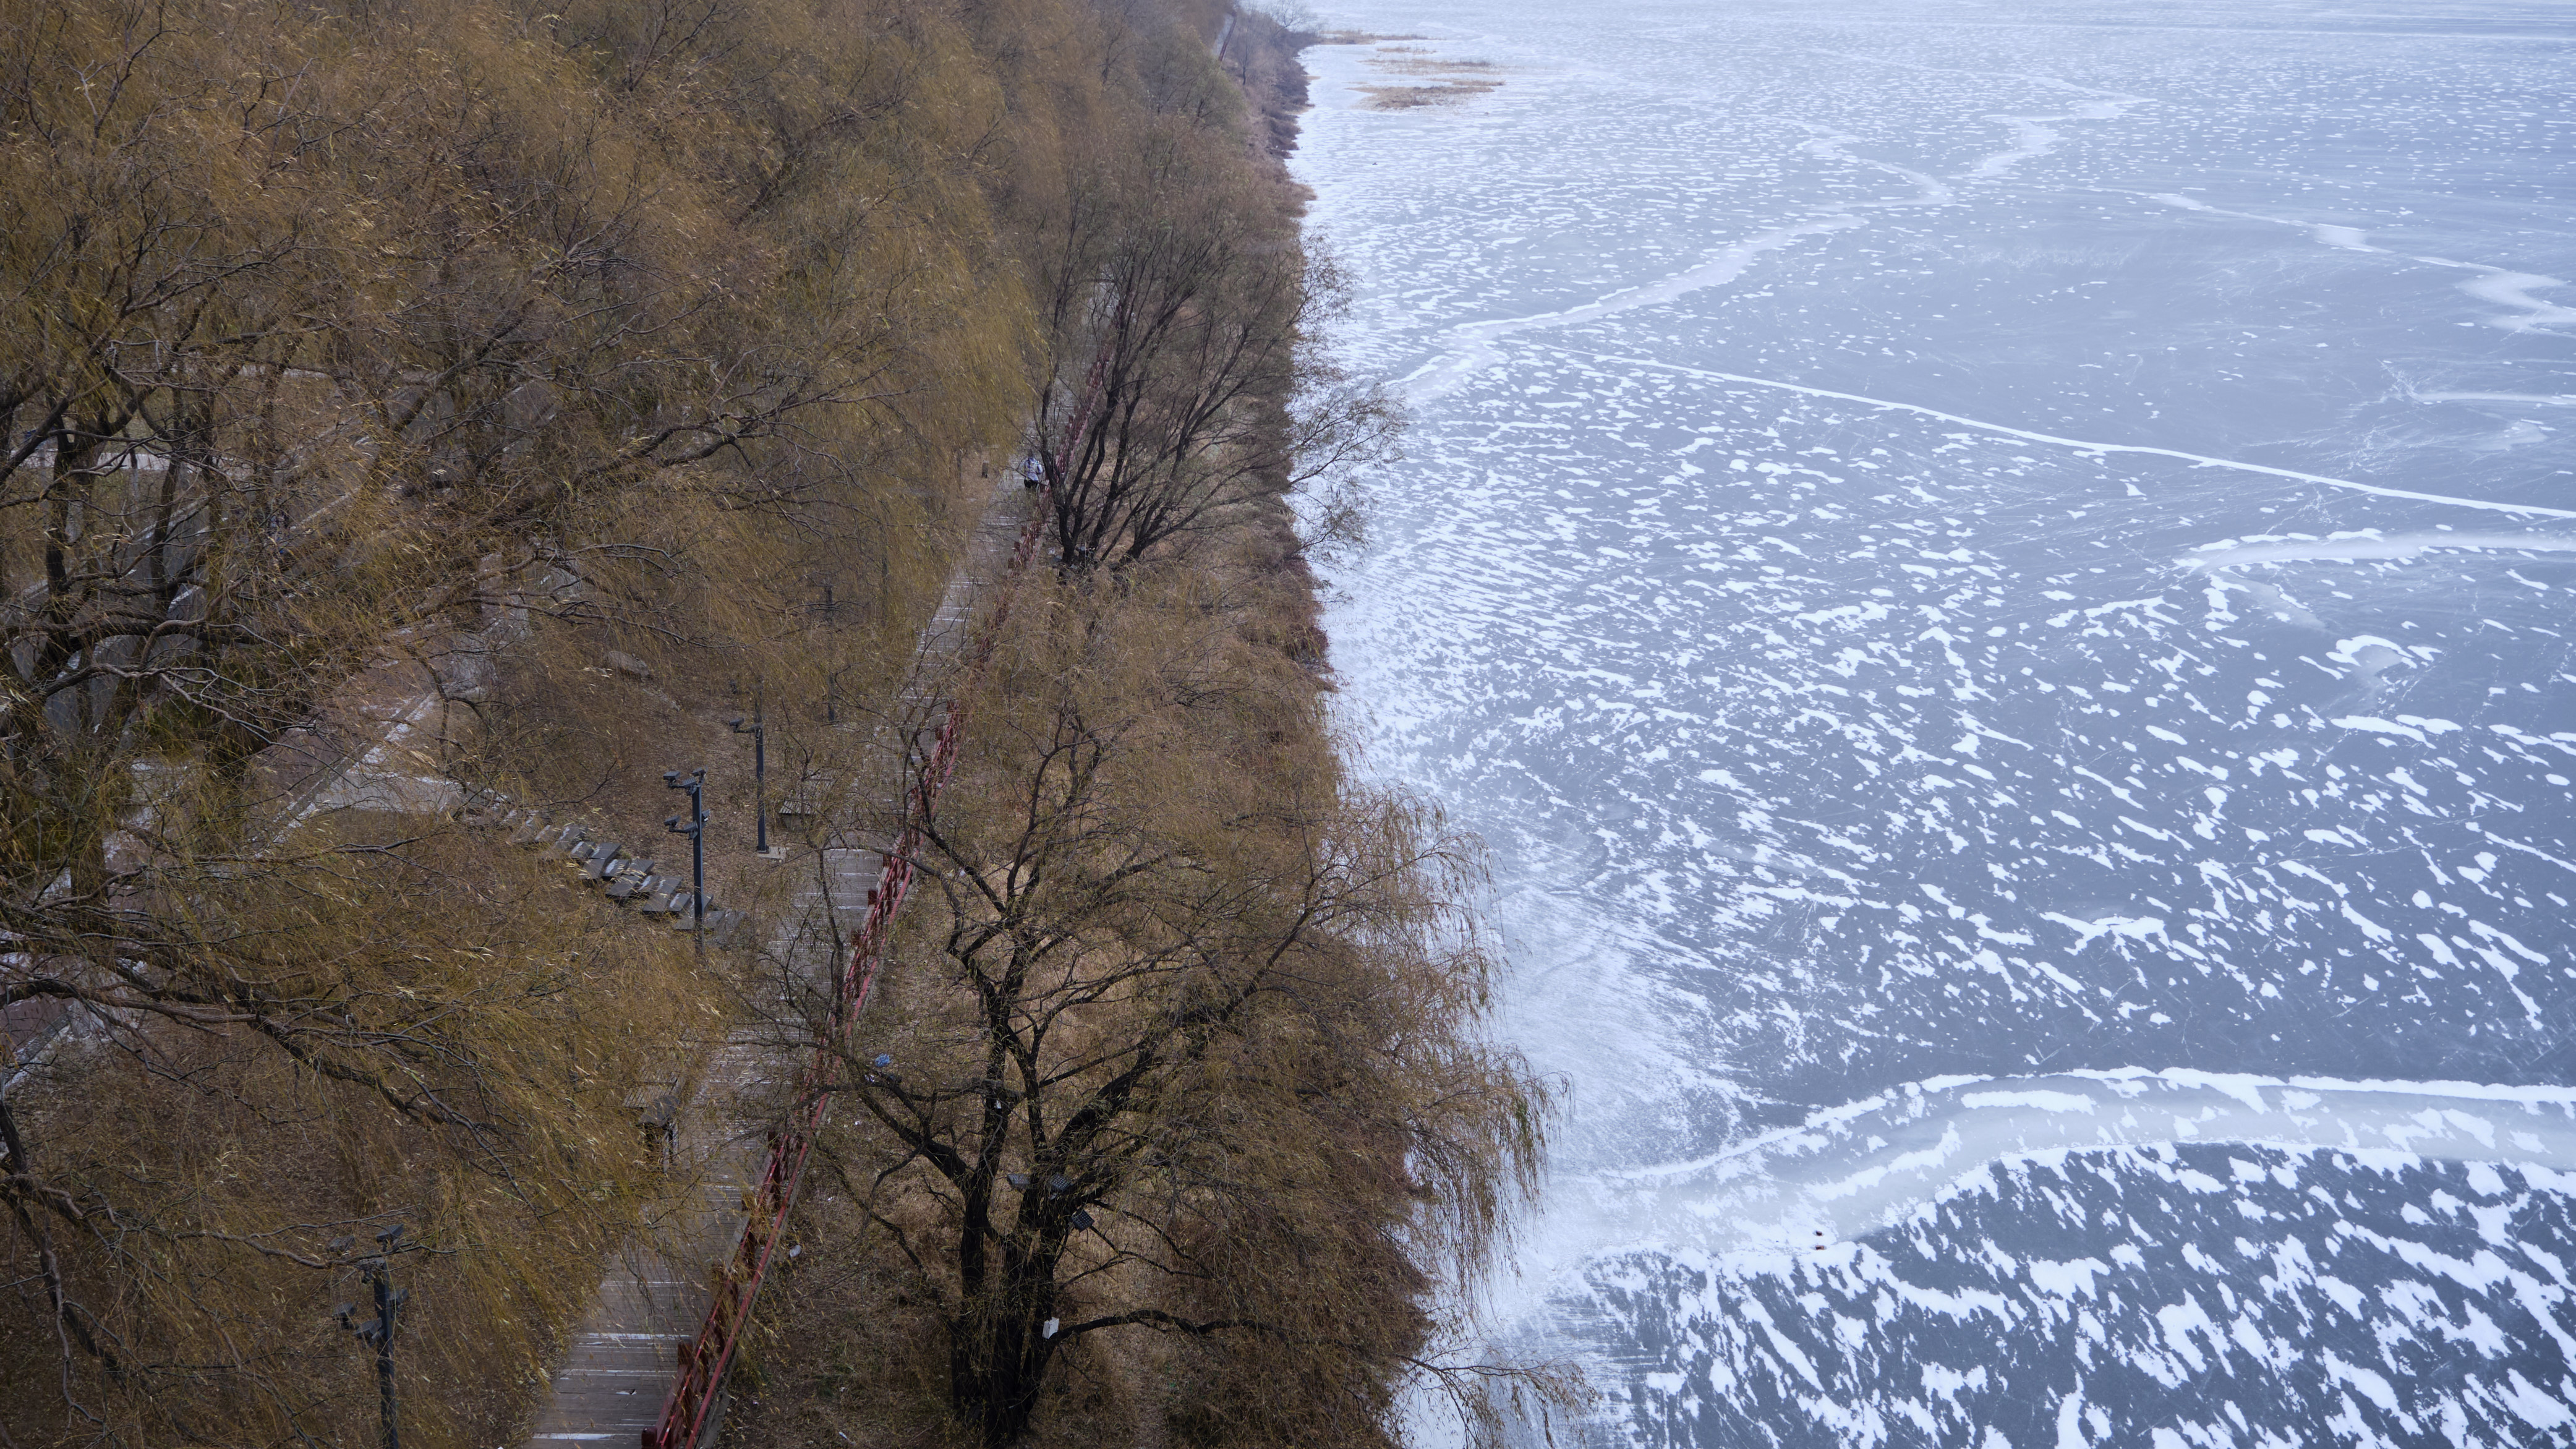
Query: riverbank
x,y
1186,1045
631,394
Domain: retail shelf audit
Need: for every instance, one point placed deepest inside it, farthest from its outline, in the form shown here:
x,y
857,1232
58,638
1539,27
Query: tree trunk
x,y
998,1349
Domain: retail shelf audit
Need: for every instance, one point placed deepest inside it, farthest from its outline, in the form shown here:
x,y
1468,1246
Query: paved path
x,y
618,1367
620,1363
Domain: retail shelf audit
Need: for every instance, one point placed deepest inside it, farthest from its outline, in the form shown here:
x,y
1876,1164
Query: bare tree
x,y
1189,1050
1193,322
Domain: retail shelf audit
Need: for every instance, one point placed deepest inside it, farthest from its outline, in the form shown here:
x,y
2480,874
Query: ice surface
x,y
1858,1169
1974,563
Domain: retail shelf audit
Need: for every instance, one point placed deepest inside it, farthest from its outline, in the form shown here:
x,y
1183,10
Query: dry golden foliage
x,y
482,337
1174,1122
1175,1116
567,377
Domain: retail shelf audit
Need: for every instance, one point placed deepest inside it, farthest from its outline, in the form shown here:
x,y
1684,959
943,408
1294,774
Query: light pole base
x,y
775,852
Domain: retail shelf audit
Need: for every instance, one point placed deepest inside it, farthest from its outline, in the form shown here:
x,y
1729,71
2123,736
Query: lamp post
x,y
695,782
759,767
378,1333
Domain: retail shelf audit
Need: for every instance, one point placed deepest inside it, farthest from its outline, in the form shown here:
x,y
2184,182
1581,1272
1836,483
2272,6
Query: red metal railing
x,y
691,1406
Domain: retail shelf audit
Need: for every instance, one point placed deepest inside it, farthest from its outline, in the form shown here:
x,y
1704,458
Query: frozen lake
x,y
1998,577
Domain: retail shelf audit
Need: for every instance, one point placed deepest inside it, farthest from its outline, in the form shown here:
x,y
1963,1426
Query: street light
x,y
759,769
696,829
378,1333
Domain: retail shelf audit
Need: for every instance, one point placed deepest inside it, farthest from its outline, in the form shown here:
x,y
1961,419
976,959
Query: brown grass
x,y
1459,81
1407,98
1433,67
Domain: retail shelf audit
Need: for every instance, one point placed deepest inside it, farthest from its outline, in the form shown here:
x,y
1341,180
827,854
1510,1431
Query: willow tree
x,y
1186,315
316,324
230,1039
1196,1063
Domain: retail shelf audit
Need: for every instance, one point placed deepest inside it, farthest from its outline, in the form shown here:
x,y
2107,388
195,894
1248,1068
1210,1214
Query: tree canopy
x,y
486,399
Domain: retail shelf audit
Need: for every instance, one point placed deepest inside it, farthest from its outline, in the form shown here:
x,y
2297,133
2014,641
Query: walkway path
x,y
618,1368
612,1384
